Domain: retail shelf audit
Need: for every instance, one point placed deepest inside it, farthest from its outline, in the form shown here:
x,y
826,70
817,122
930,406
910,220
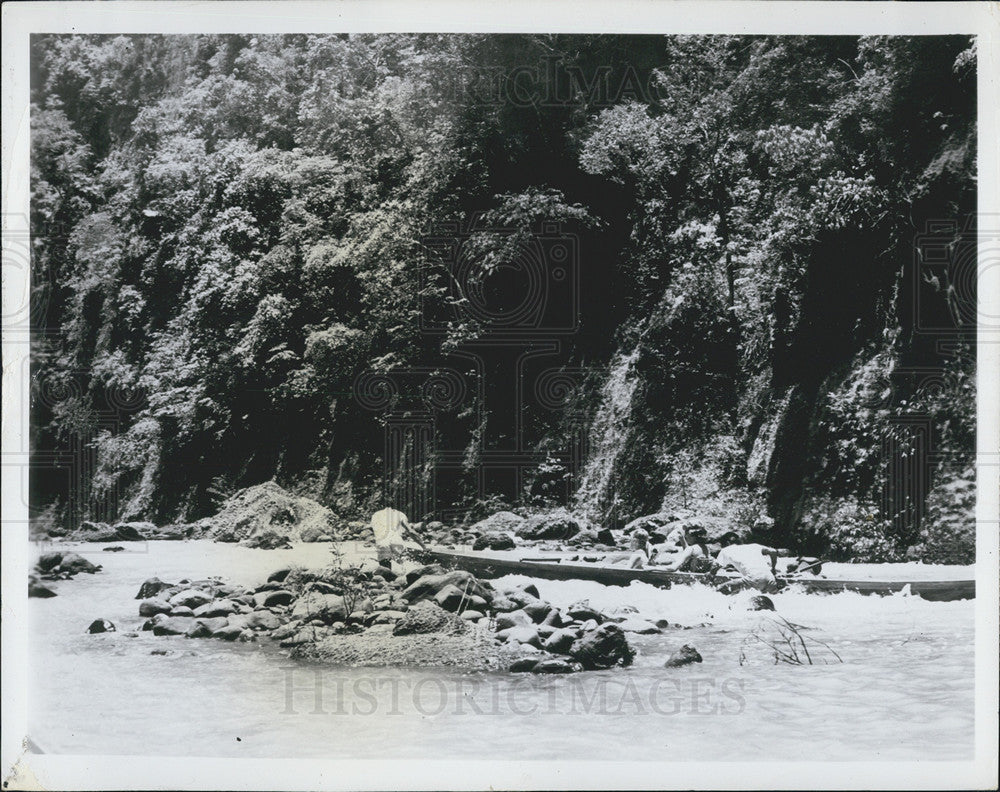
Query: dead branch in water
x,y
786,647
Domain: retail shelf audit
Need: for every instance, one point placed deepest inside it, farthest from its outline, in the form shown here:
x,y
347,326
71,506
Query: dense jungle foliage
x,y
773,252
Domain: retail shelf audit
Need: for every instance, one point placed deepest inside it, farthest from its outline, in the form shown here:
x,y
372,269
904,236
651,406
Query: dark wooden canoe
x,y
936,590
487,567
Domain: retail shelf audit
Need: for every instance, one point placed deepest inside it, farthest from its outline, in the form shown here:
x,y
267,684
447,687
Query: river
x,y
904,691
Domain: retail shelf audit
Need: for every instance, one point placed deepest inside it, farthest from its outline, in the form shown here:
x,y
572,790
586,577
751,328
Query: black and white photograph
x,y
395,403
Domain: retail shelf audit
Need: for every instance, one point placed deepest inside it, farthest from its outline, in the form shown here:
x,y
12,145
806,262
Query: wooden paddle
x,y
809,566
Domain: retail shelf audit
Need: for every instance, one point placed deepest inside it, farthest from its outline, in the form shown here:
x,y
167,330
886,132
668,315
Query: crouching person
x,y
755,563
392,529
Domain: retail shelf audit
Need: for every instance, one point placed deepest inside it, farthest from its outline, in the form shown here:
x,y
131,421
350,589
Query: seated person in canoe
x,y
638,555
692,554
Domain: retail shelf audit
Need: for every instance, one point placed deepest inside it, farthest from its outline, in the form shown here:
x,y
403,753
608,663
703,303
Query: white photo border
x,y
43,771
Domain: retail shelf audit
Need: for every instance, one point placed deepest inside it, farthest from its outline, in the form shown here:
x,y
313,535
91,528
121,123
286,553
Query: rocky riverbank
x,y
268,517
370,616
57,566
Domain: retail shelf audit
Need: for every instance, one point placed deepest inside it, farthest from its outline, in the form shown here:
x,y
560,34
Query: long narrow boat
x,y
491,566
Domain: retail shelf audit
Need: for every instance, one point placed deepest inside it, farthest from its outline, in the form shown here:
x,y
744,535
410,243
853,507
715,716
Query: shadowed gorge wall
x,y
260,257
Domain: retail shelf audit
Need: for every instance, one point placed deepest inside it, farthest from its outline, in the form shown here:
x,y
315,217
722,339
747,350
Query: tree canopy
x,y
229,230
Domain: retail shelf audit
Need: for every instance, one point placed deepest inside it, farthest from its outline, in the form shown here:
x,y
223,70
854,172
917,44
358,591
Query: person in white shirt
x,y
756,563
391,529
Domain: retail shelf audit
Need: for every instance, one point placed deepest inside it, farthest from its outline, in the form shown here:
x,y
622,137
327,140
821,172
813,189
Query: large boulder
x,y
277,598
89,531
49,561
686,655
605,537
101,626
205,628
151,587
305,635
450,598
604,647
523,596
216,608
515,618
74,563
170,625
560,641
260,513
190,598
268,540
329,608
558,525
640,626
650,523
176,532
228,632
430,569
555,665
151,607
527,636
523,664
538,610
714,527
425,617
761,602
497,541
314,533
498,523
583,611
429,585
36,589
263,620
134,531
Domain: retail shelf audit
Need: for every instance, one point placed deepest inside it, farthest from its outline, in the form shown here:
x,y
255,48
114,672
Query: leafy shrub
x,y
850,531
948,530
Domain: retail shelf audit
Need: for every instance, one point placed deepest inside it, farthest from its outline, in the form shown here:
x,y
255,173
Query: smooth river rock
x,y
36,589
760,602
555,665
190,598
516,618
450,597
640,626
205,628
151,587
100,626
686,655
560,641
220,607
522,635
603,647
74,563
153,606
